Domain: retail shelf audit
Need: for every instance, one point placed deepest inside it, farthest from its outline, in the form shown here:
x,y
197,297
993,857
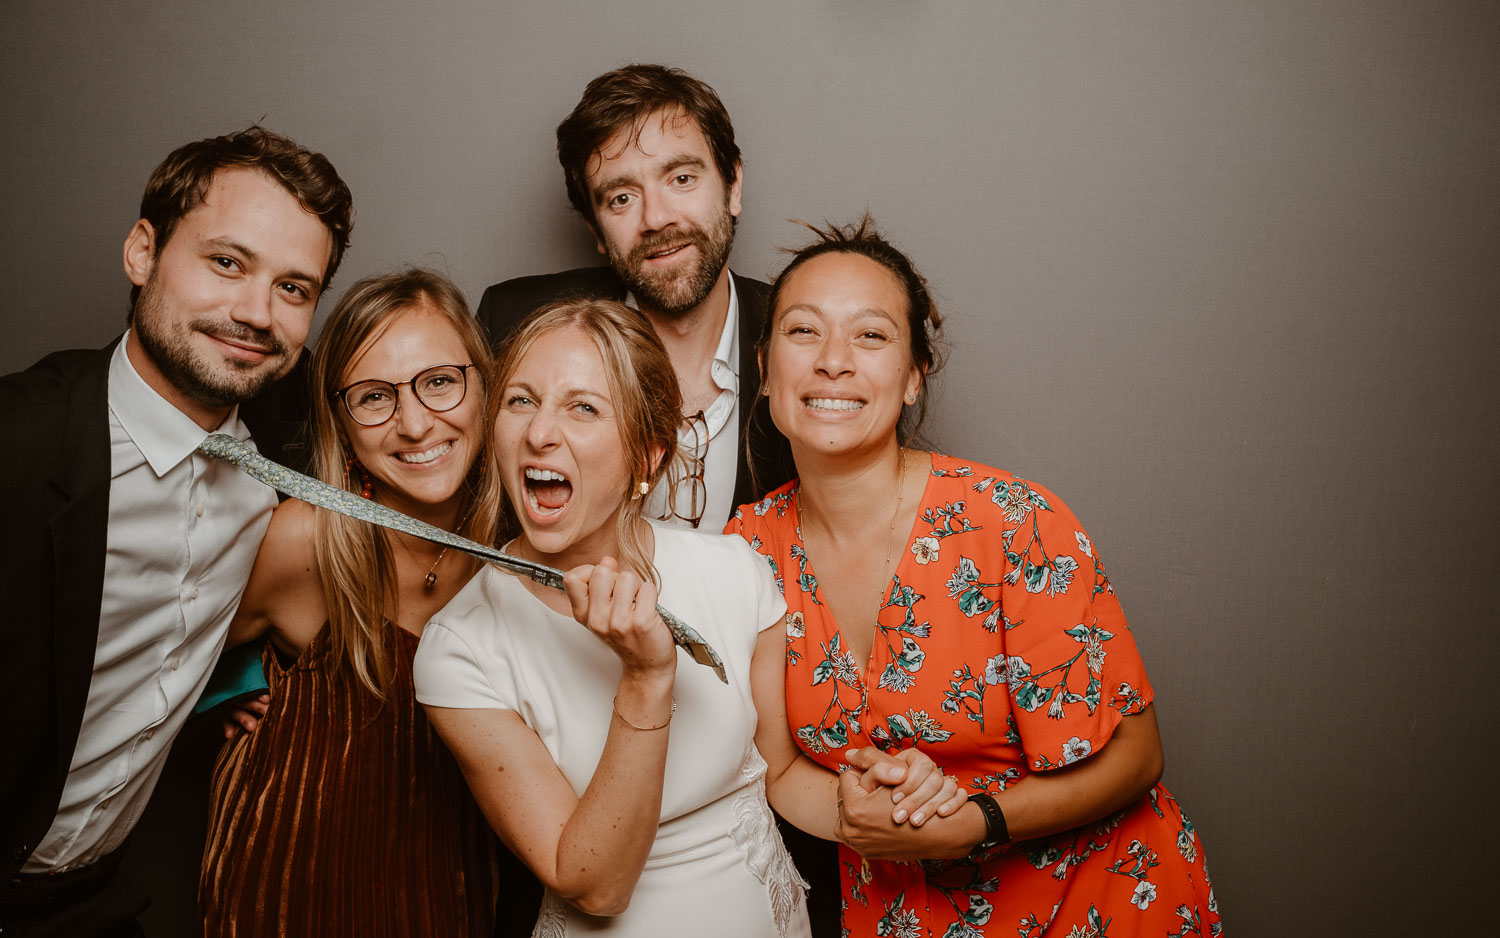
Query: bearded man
x,y
650,163
126,551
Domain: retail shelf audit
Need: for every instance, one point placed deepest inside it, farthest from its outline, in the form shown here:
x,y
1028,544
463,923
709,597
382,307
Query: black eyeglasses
x,y
372,403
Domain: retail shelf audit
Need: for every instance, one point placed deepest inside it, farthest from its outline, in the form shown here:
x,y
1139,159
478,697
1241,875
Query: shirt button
x,y
193,594
198,511
148,734
175,662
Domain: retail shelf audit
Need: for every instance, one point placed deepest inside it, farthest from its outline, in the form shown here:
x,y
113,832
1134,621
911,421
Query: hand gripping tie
x,y
310,490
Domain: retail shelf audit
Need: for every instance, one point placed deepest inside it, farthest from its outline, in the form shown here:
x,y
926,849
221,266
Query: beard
x,y
210,380
676,292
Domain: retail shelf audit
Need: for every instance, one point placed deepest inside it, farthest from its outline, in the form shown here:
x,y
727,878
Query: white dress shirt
x,y
183,532
718,452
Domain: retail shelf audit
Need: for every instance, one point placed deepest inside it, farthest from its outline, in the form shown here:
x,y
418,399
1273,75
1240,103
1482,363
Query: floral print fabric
x,y
1000,651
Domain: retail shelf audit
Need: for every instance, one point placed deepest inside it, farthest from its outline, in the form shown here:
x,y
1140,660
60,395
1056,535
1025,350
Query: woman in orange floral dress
x,y
941,604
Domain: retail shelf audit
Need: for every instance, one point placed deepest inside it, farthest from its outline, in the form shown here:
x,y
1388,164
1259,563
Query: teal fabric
x,y
237,675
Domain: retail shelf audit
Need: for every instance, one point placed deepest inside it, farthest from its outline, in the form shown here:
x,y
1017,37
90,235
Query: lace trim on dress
x,y
755,834
552,919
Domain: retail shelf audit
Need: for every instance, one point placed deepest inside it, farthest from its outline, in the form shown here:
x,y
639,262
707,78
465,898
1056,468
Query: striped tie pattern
x,y
310,490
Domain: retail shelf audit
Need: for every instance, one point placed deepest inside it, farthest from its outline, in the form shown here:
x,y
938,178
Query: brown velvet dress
x,y
342,815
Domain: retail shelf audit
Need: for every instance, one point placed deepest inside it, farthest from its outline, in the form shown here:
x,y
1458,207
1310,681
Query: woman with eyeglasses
x,y
343,813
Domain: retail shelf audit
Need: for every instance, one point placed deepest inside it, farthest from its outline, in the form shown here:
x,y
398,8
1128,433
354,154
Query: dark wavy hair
x,y
624,99
924,324
179,183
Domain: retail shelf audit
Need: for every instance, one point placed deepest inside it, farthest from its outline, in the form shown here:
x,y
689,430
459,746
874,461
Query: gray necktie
x,y
310,490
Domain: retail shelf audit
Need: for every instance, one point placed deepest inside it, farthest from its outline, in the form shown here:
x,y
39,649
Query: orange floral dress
x,y
1001,651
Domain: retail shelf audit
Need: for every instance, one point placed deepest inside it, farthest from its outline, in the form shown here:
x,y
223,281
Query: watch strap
x,y
996,832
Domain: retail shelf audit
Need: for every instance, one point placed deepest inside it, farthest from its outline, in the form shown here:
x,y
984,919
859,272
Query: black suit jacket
x,y
504,305
55,496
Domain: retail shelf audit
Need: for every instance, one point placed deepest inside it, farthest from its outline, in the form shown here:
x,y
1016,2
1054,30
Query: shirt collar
x,y
164,435
727,354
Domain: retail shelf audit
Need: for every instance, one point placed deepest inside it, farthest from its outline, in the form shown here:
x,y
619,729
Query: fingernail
x,y
900,815
918,818
897,797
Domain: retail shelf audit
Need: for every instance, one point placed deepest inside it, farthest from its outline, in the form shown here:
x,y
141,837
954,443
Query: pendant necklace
x,y
429,582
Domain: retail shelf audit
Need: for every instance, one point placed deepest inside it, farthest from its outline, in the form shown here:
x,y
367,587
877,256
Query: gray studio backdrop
x,y
1225,276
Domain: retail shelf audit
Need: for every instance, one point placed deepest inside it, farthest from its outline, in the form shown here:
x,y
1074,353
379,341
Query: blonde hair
x,y
643,386
355,560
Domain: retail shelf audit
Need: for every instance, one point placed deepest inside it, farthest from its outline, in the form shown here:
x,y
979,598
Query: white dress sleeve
x,y
770,605
448,673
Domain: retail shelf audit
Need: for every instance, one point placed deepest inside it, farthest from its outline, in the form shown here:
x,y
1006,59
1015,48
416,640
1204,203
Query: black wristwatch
x,y
996,832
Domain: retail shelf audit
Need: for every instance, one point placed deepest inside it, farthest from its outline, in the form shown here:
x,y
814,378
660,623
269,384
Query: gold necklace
x,y
886,570
429,582
890,533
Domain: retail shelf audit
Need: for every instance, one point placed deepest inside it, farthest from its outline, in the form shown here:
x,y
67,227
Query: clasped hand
x,y
883,800
620,608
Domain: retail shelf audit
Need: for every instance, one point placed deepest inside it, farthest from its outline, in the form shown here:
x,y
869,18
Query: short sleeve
x,y
755,524
1071,662
447,673
736,523
770,606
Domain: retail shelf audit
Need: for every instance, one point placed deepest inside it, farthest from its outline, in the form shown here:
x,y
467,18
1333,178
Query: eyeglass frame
x,y
696,465
396,386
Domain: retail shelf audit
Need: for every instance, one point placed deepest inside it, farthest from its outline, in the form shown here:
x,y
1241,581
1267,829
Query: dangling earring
x,y
366,484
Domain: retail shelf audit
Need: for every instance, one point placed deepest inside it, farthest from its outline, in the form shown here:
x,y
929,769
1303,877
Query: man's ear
x,y
734,189
140,252
598,238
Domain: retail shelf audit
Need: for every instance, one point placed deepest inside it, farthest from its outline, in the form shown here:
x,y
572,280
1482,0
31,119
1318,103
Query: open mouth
x,y
426,456
833,403
547,491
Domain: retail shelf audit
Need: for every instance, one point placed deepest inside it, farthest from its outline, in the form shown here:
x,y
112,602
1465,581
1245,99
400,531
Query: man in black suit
x,y
650,162
125,551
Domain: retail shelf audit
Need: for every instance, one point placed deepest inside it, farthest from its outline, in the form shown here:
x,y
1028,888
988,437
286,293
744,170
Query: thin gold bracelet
x,y
615,706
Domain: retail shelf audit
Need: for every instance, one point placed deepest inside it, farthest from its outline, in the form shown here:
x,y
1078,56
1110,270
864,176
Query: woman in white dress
x,y
635,789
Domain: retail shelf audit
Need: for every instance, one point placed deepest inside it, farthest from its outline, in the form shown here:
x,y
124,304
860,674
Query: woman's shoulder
x,y
678,546
286,565
291,531
726,567
966,471
970,479
480,603
776,508
471,626
285,589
